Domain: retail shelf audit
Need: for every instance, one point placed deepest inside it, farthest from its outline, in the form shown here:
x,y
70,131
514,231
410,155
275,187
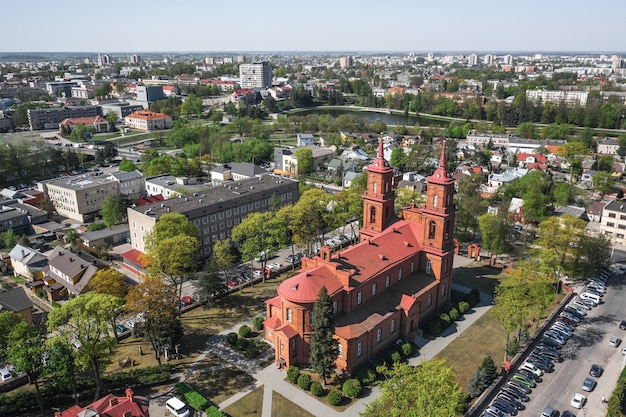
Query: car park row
x,y
542,359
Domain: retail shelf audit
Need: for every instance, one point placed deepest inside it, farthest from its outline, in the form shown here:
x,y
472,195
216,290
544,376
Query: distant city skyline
x,y
324,26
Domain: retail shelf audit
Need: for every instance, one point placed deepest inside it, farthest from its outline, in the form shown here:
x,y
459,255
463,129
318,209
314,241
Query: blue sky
x,y
316,25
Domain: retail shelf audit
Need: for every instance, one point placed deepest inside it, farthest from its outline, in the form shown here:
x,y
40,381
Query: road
x,y
588,346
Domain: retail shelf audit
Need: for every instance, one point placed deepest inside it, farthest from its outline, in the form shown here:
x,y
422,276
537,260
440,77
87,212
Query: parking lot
x,y
588,346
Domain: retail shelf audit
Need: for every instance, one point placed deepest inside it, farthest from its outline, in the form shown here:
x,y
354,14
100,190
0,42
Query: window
x,y
621,226
375,188
213,217
400,274
429,267
443,289
432,228
311,317
612,215
387,281
134,225
228,213
339,350
359,349
359,297
379,335
435,200
393,325
430,300
412,266
610,224
373,289
334,307
386,187
236,211
445,265
289,315
372,214
620,236
220,215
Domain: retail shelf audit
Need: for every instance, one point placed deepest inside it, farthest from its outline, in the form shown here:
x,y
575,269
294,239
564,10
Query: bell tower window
x,y
375,188
435,200
432,228
372,214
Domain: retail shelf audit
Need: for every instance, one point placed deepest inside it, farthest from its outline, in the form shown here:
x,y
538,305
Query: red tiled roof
x,y
407,302
304,287
112,406
275,301
135,257
272,323
150,199
82,121
287,330
147,115
538,157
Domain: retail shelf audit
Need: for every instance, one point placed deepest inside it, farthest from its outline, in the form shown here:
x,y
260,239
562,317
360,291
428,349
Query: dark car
x,y
548,352
622,325
511,400
504,406
551,342
520,387
596,371
517,393
530,375
589,384
567,321
540,363
121,328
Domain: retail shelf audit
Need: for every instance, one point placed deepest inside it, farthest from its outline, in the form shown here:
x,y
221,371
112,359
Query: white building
x,y
255,75
570,98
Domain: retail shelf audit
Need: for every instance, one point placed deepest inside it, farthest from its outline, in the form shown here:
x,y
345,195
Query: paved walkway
x,y
274,380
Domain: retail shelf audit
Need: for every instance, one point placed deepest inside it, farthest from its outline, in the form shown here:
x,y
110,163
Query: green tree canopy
x,y
113,210
304,156
323,345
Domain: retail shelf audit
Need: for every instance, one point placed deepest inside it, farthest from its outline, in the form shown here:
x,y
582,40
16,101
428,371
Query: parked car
x,y
596,371
121,328
551,342
504,406
511,400
531,368
530,375
578,401
614,341
541,363
549,412
622,325
187,299
587,302
523,379
5,374
519,386
518,393
177,407
589,384
578,304
131,323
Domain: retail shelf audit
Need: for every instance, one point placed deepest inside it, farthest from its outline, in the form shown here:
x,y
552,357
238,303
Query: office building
x,y
150,93
346,62
50,118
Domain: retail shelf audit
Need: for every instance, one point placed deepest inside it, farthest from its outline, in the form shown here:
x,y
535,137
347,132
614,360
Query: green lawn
x,y
250,405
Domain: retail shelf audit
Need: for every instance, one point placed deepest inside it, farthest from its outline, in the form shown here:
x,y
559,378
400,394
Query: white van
x,y
592,297
177,407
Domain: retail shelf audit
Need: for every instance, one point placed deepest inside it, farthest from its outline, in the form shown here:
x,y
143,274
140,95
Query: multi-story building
x,y
149,93
235,171
50,118
148,120
54,88
613,222
286,163
128,406
255,75
121,109
383,288
346,62
608,146
214,211
169,186
570,98
78,197
131,184
135,59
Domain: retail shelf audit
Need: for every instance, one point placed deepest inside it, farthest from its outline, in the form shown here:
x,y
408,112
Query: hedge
x,y
304,382
366,375
352,388
396,357
463,307
334,397
196,400
434,327
257,322
445,320
407,349
454,314
212,411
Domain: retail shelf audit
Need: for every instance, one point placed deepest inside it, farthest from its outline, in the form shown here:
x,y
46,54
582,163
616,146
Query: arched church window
x,y
435,200
375,188
432,227
372,214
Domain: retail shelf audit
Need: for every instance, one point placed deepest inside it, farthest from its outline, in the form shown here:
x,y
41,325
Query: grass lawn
x,y
251,405
280,404
478,275
219,384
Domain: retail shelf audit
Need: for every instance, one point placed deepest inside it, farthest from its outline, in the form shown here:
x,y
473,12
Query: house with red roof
x,y
384,287
97,122
148,120
111,406
532,161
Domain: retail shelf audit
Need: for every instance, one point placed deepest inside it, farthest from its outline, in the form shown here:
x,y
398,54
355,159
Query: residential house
x,y
495,181
286,163
27,262
355,155
97,122
348,177
17,300
67,272
608,146
304,139
532,161
588,175
130,405
383,288
594,210
573,211
613,222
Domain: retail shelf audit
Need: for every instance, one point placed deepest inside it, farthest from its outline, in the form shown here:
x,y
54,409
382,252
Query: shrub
x,y
470,299
477,383
407,349
524,336
334,397
396,357
231,338
213,411
490,369
352,387
476,294
242,344
293,373
454,314
433,327
316,389
304,381
512,347
463,307
367,376
445,320
244,331
252,351
257,322
196,400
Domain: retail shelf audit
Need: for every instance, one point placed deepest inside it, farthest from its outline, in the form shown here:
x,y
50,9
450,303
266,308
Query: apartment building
x,y
570,98
131,184
608,146
50,118
78,197
214,211
147,120
613,222
169,186
255,75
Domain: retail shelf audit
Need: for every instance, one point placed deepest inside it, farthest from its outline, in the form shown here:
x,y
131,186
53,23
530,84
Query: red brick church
x,y
382,288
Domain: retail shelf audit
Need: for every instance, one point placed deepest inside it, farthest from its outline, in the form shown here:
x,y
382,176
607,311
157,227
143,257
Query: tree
x,y
603,182
605,164
108,281
112,118
127,166
470,204
60,363
171,248
210,283
429,389
496,231
323,346
398,159
260,232
81,133
113,210
572,151
191,106
405,196
157,301
80,322
25,351
304,157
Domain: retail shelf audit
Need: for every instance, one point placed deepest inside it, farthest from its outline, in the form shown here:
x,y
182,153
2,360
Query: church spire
x,y
381,151
442,159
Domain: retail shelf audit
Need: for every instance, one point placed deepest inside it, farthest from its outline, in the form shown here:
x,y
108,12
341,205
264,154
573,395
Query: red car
x,y
186,299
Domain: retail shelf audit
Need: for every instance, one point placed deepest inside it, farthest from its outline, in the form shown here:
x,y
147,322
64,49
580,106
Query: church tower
x,y
378,200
